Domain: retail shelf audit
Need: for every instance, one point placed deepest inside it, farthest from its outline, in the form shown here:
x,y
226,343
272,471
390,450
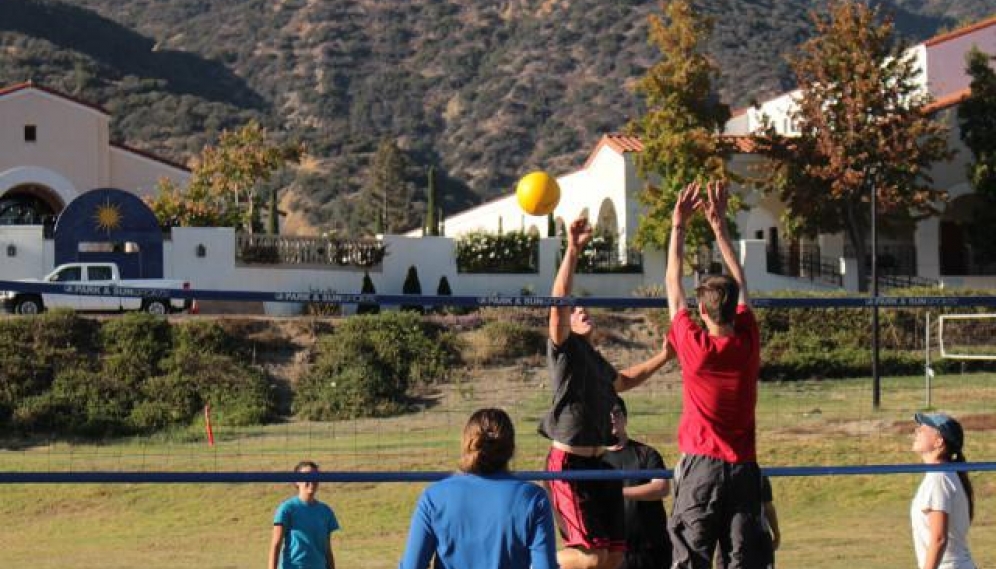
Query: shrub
x,y
502,340
443,288
133,346
204,336
801,343
368,288
37,349
370,365
412,286
512,252
98,404
150,376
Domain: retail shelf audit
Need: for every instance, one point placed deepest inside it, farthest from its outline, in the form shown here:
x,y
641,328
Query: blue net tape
x,y
427,476
487,300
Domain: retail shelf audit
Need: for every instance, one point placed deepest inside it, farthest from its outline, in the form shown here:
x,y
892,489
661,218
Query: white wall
x,y
945,61
432,256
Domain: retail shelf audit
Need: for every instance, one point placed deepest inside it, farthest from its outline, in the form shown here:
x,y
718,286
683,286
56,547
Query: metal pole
x,y
927,372
876,380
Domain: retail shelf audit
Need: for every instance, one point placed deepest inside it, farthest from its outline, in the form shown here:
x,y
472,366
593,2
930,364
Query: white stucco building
x,y
606,187
53,147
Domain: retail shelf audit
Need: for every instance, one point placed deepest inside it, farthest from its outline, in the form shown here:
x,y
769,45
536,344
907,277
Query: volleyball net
x,y
819,437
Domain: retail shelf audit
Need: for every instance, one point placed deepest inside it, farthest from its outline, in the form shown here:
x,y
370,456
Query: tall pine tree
x,y
977,122
388,193
681,128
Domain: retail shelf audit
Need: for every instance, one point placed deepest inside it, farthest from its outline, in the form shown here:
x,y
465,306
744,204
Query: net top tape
x,y
485,300
427,476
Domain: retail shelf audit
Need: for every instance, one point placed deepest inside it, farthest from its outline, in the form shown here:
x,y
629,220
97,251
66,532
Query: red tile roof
x,y
960,32
948,100
621,143
150,156
31,85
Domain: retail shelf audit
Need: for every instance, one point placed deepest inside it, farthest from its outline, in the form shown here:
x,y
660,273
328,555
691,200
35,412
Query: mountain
x,y
484,89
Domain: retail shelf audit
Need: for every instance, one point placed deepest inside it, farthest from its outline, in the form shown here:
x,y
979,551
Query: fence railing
x,y
904,281
611,262
255,249
805,263
891,259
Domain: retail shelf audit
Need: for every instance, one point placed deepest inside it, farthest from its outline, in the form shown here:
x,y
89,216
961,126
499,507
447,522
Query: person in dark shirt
x,y
590,512
647,543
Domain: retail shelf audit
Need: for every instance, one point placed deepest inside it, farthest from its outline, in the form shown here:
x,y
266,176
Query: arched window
x,y
28,205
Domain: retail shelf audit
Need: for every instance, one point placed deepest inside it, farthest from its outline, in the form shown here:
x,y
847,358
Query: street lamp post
x,y
876,380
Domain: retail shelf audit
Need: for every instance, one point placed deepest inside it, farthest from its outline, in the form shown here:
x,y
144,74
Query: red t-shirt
x,y
720,387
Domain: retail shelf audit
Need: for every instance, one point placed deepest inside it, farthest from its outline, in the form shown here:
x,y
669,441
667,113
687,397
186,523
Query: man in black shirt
x,y
584,385
647,542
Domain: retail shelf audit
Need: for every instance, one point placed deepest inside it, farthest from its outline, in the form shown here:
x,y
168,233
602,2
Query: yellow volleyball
x,y
538,193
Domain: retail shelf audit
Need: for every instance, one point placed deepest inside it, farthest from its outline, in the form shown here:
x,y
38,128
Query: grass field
x,y
843,521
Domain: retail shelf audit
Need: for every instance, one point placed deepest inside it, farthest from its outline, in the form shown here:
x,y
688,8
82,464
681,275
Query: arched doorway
x,y
110,225
29,204
608,221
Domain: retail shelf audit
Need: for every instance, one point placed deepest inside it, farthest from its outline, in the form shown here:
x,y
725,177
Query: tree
x,y
367,288
431,217
412,286
388,193
225,180
977,122
273,218
681,128
862,125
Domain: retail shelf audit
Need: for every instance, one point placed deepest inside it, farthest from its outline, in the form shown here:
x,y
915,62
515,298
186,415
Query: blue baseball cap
x,y
949,429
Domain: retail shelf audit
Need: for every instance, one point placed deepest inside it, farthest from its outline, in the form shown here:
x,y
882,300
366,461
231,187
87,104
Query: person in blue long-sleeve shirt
x,y
483,517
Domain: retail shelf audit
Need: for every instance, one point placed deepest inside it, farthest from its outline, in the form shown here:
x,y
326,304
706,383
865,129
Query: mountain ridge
x,y
484,90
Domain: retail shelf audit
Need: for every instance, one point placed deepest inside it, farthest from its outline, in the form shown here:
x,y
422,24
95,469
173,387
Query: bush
x,y
368,288
503,340
35,350
137,375
412,286
512,252
134,344
801,343
371,365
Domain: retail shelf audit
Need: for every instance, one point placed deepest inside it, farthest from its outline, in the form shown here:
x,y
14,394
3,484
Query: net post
x,y
927,372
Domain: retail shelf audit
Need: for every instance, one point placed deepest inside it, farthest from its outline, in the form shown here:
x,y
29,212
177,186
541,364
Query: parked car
x,y
95,278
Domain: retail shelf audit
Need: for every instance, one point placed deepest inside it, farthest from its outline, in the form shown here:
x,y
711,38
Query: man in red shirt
x,y
717,481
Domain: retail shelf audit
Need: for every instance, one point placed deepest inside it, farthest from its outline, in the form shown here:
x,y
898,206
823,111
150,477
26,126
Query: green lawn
x,y
843,521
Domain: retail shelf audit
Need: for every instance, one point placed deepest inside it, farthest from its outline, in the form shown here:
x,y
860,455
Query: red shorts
x,y
590,512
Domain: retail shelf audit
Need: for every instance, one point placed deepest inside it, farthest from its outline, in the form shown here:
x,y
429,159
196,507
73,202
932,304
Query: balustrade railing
x,y
256,249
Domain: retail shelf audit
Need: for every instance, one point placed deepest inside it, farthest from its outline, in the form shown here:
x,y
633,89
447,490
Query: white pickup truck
x,y
91,281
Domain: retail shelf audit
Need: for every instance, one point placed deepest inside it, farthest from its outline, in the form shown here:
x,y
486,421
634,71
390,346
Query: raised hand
x,y
579,234
715,208
689,200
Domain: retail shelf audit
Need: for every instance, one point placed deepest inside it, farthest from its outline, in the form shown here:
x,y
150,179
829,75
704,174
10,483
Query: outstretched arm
x,y
578,235
635,375
715,210
688,202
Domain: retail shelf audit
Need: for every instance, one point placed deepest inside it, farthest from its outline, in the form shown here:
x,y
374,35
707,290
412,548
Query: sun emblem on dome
x,y
108,217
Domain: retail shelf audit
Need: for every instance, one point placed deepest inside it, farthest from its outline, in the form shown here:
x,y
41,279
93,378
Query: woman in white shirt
x,y
944,504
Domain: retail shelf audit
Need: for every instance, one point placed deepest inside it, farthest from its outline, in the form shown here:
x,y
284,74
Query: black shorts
x,y
590,512
716,502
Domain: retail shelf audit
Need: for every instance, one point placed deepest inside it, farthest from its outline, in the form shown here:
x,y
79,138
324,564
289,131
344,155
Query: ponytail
x,y
959,456
488,442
